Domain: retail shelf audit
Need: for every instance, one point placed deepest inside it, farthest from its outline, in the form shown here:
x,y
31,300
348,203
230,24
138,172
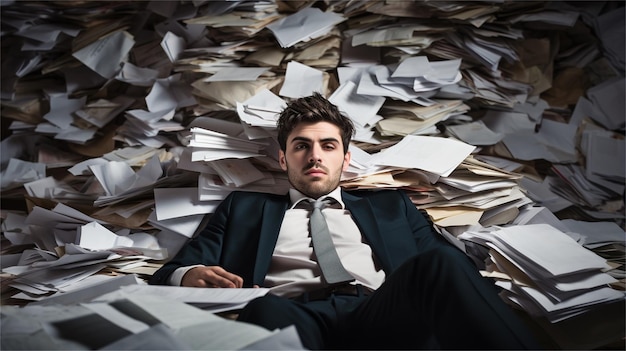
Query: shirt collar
x,y
295,196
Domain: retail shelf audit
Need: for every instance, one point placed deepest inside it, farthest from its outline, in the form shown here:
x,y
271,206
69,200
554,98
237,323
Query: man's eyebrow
x,y
324,140
299,138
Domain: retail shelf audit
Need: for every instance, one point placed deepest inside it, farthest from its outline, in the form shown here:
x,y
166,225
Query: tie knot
x,y
321,202
310,204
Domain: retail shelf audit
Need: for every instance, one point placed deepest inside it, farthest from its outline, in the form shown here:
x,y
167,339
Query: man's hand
x,y
211,277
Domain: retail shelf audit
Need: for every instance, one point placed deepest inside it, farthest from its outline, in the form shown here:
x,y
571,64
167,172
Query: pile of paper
x,y
443,178
593,186
143,116
604,238
549,274
134,322
491,195
70,247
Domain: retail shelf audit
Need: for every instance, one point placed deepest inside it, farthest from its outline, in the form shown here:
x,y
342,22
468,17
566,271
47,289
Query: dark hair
x,y
311,109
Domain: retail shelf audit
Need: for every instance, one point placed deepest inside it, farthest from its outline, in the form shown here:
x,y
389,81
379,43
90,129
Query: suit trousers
x,y
436,300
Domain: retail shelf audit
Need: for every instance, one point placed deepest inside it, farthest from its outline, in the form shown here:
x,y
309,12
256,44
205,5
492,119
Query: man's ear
x,y
282,160
346,161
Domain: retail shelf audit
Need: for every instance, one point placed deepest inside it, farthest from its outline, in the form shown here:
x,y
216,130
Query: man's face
x,y
314,159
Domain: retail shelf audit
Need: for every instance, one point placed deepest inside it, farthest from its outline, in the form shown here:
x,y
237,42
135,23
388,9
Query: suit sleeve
x,y
421,225
204,249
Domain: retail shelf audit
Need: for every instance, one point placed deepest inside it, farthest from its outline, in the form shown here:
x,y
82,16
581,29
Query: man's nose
x,y
315,155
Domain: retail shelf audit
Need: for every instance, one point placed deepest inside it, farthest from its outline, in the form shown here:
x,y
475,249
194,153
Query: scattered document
x,y
213,300
303,25
295,75
173,203
105,55
436,155
237,73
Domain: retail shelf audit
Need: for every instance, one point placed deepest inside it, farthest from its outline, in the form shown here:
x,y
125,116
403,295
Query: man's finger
x,y
226,279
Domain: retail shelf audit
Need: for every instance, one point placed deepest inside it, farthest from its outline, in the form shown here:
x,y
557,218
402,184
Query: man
x,y
411,288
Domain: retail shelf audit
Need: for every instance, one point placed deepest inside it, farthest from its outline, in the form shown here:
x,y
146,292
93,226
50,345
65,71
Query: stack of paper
x,y
72,248
594,186
237,20
103,101
209,145
606,239
139,321
260,113
404,118
455,188
476,193
553,283
224,156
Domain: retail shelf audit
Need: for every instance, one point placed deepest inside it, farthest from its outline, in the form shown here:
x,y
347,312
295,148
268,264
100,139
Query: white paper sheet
x,y
433,154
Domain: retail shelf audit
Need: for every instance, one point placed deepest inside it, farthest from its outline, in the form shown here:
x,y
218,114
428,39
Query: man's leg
x,y
439,293
313,320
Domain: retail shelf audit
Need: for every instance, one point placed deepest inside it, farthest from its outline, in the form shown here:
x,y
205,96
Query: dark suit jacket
x,y
241,234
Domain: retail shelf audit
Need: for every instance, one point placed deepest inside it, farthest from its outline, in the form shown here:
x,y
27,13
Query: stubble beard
x,y
314,188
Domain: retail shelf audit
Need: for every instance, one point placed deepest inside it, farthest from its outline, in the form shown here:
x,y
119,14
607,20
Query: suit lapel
x,y
367,222
273,212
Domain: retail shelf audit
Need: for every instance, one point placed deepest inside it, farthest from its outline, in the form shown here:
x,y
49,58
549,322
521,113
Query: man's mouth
x,y
315,169
315,172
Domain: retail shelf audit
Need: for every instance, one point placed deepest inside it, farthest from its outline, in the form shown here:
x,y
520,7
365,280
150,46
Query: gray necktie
x,y
332,269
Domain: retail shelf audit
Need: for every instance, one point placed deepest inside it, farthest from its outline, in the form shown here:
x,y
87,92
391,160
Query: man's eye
x,y
301,146
329,147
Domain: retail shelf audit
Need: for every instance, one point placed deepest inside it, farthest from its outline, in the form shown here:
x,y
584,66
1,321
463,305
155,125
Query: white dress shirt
x,y
293,269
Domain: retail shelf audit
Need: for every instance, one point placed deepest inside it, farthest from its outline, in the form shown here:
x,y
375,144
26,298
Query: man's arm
x,y
425,235
205,249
